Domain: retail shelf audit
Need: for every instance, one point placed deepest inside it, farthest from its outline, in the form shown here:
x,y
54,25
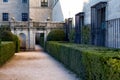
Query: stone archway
x,y
22,37
40,38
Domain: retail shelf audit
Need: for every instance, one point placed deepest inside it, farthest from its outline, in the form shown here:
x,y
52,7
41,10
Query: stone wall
x,y
14,8
38,13
29,30
57,14
87,12
112,20
112,9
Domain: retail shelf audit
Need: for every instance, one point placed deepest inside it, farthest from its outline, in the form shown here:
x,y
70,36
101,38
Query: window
x,y
24,16
44,3
24,1
5,0
5,16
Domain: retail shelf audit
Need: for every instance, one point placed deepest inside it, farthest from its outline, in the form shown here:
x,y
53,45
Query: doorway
x,y
22,37
39,39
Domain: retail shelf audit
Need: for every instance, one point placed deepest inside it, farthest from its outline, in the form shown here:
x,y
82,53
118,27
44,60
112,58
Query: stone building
x,y
17,9
25,10
30,18
104,18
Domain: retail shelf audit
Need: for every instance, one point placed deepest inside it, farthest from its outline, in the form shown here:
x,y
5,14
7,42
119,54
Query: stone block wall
x,y
14,8
112,20
38,13
30,31
57,13
113,9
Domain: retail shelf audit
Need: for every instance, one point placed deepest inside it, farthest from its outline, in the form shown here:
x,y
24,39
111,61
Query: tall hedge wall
x,y
7,50
89,62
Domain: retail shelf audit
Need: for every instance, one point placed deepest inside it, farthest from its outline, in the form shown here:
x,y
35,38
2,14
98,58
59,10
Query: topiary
x,y
0,38
0,41
56,35
7,36
17,43
5,27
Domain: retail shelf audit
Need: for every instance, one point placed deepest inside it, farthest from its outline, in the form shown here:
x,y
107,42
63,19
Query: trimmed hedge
x,y
7,50
9,36
17,43
56,35
42,42
89,62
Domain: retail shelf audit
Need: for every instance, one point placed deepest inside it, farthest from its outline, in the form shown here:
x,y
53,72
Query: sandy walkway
x,y
34,66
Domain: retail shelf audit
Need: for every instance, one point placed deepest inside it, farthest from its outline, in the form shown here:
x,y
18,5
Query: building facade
x,y
104,18
57,14
14,9
25,10
30,18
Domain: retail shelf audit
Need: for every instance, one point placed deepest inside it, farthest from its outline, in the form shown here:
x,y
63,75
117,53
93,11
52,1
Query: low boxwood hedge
x,y
7,50
89,62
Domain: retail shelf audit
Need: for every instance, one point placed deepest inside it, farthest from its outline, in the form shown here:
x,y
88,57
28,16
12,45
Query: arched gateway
x,y
27,31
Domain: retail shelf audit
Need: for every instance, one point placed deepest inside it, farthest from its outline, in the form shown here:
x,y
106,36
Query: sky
x,y
71,7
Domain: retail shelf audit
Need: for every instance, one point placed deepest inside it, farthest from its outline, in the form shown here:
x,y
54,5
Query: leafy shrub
x,y
72,36
7,50
85,34
17,43
0,41
7,36
56,35
42,41
5,27
89,62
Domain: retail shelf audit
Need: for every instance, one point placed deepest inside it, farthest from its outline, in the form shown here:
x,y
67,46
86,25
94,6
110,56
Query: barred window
x,y
24,16
44,3
5,16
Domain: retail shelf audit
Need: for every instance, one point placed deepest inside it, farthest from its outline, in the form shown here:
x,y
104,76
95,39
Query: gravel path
x,y
34,66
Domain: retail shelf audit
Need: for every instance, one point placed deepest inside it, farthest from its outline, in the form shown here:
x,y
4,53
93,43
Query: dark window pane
x,y
5,0
24,16
24,1
5,16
